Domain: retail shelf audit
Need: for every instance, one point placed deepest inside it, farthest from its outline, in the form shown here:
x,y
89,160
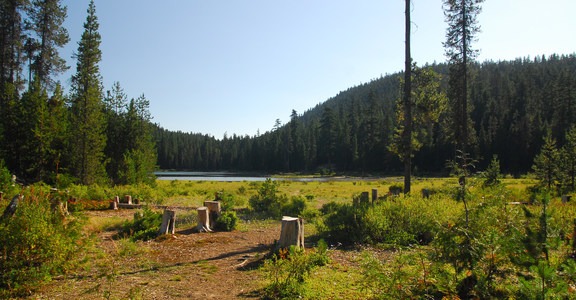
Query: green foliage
x,y
88,139
294,207
546,163
492,174
144,226
5,179
288,271
267,201
401,223
36,244
227,221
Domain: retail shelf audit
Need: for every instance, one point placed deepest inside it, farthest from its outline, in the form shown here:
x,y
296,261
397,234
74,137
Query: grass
x,y
343,278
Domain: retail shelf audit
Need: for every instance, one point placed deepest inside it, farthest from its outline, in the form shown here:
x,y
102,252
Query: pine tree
x,y
88,137
546,163
140,155
45,20
462,27
116,104
11,46
568,154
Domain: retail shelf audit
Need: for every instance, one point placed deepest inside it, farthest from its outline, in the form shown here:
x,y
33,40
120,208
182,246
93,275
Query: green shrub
x,y
36,243
144,227
287,271
227,221
267,201
295,207
5,179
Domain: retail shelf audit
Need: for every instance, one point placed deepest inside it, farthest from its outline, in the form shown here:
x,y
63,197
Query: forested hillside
x,y
86,136
513,105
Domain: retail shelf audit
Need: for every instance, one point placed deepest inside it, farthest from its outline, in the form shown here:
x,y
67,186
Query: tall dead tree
x,y
407,133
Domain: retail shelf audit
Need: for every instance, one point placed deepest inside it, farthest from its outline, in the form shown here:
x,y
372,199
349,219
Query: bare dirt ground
x,y
187,265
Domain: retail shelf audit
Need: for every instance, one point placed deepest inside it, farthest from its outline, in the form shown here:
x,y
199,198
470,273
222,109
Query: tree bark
x,y
203,219
292,233
407,103
168,222
215,210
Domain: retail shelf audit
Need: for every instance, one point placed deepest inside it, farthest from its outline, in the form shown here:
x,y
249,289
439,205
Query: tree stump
x,y
114,203
292,233
425,193
374,195
168,222
215,210
11,208
128,199
566,198
203,219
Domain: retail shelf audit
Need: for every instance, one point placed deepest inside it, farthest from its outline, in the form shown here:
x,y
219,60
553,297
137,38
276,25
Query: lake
x,y
232,176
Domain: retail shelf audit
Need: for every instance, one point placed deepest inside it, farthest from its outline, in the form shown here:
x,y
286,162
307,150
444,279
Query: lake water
x,y
231,176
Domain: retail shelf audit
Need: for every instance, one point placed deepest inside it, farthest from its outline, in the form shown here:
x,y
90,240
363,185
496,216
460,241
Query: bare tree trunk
x,y
407,104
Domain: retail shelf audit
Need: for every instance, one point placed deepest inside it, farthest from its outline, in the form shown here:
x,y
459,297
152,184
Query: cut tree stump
x,y
128,199
114,203
168,222
203,219
215,210
292,233
11,208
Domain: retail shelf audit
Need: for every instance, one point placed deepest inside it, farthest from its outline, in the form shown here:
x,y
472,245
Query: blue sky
x,y
216,66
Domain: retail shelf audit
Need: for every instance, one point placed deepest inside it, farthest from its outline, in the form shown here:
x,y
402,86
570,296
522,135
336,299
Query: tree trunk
x,y
168,222
292,233
407,138
203,219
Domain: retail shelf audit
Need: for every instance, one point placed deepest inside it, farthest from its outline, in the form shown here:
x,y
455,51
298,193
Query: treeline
x,y
84,137
513,104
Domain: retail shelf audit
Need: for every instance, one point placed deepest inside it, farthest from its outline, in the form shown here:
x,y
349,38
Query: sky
x,y
229,67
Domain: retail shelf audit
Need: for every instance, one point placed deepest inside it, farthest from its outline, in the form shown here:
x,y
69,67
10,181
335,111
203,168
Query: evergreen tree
x,y
88,137
45,20
462,27
57,127
327,139
568,154
428,105
140,156
11,46
115,113
547,162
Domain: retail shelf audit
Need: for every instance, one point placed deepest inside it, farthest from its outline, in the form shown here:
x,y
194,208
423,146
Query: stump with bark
x,y
168,222
215,210
292,233
114,203
203,219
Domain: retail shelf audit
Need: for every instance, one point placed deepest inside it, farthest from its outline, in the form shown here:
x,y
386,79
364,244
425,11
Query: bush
x,y
402,222
36,243
227,221
288,271
295,207
144,227
266,201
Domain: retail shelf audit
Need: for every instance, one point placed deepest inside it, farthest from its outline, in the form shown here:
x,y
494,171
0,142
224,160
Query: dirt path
x,y
184,266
